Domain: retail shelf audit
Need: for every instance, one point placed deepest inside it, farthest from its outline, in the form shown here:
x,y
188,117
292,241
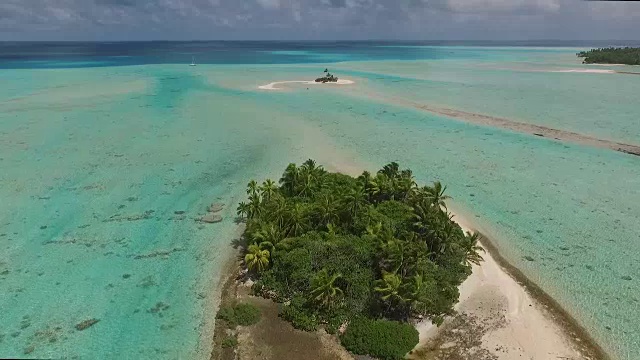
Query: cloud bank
x,y
317,19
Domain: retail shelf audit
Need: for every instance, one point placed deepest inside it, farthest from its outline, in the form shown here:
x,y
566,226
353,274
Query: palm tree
x,y
393,253
310,178
331,229
406,174
252,187
242,210
268,233
391,290
436,194
444,234
267,245
327,211
310,165
296,221
423,214
324,292
356,200
365,178
405,188
306,181
268,188
381,188
254,205
374,230
471,249
391,170
289,179
257,259
279,211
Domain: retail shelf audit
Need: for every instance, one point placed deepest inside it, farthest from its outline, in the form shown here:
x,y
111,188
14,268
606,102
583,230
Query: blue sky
x,y
318,19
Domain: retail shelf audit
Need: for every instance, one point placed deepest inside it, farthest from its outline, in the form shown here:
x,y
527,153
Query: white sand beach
x,y
272,86
508,322
511,323
588,71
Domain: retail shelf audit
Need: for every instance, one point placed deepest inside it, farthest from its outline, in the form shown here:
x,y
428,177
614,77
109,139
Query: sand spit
x,y
537,130
499,318
587,71
272,86
596,71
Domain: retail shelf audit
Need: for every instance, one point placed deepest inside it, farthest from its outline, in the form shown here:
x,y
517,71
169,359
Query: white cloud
x,y
269,4
502,6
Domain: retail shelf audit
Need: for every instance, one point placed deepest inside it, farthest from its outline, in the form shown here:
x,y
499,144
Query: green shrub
x,y
241,314
246,314
227,314
299,316
383,339
231,341
334,323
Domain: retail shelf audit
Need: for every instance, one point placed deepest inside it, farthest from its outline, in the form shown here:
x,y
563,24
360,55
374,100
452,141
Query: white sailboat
x,y
193,61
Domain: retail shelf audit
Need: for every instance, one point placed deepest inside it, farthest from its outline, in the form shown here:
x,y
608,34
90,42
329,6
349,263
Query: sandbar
x,y
504,320
272,86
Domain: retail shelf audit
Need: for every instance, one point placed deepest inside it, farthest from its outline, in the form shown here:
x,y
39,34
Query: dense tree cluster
x,y
327,77
611,55
334,248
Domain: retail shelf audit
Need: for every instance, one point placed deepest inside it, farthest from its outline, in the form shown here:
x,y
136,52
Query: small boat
x,y
193,61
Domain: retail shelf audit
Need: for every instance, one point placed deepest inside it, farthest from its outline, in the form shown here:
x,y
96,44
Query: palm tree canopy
x,y
323,288
256,258
332,246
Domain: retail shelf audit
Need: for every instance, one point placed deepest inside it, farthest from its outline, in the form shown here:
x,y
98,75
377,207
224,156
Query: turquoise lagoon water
x,y
97,161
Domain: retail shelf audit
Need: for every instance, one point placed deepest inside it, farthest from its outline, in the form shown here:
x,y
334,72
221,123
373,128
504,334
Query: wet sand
x,y
503,315
536,130
502,123
272,86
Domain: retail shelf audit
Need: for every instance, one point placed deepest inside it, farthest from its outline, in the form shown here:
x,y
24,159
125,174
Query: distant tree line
x,y
611,55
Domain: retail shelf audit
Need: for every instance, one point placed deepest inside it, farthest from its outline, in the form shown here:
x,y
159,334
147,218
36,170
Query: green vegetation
x,y
241,314
229,342
336,249
626,55
328,77
383,339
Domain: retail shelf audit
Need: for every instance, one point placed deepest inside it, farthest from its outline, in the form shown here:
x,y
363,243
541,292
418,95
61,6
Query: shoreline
x,y
504,315
515,125
533,324
578,335
272,85
521,127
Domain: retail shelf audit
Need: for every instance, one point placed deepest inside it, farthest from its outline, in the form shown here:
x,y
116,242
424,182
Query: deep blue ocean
x,y
29,55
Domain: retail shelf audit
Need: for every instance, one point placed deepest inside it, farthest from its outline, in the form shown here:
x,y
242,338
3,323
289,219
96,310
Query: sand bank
x,y
499,318
504,123
272,86
532,129
592,71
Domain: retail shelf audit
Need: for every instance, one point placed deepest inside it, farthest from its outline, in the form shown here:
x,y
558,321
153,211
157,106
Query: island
x,y
611,55
361,257
328,77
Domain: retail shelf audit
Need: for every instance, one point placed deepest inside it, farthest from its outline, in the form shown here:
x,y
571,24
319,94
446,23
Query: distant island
x,y
360,257
328,77
611,55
